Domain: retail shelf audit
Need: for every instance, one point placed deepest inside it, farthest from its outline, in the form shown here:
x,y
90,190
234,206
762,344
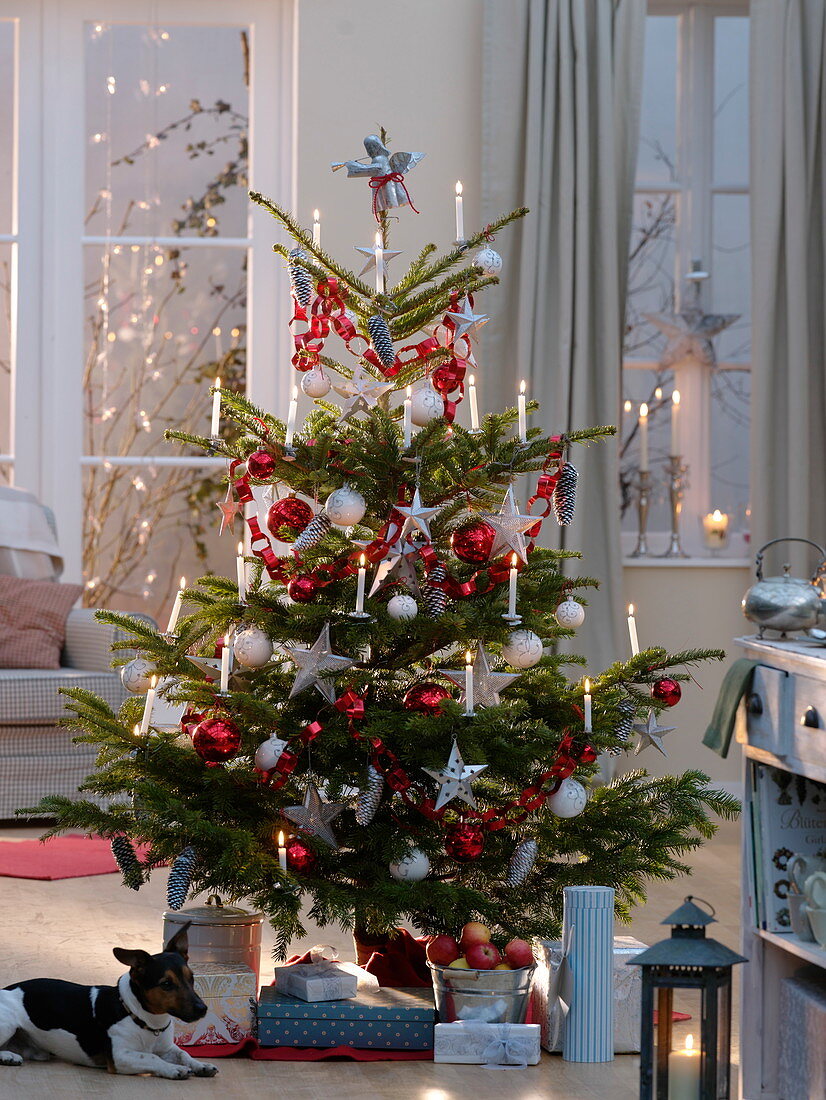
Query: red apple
x,y
483,956
519,954
474,932
442,950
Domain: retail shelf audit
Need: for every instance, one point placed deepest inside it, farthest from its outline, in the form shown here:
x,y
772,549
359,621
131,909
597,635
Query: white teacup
x,y
817,919
799,867
814,889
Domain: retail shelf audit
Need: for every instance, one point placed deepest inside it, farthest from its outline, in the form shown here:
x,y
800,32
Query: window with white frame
x,y
151,270
691,212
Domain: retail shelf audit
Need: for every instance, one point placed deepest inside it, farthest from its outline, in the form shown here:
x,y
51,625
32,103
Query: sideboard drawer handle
x,y
811,718
755,704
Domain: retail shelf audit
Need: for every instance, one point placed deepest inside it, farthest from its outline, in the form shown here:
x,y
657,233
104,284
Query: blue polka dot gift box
x,y
381,1019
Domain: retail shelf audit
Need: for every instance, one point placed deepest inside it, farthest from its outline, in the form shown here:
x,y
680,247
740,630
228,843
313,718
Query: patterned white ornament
x,y
523,649
569,801
269,752
315,383
570,614
137,674
402,608
345,506
411,868
489,260
252,647
426,405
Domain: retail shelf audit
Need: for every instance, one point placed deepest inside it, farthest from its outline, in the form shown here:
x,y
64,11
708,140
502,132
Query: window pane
x,y
731,274
160,325
657,158
650,272
7,59
166,122
731,99
5,351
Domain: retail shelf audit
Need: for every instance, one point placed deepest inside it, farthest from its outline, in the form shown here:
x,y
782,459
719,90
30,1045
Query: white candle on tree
x,y
291,415
316,228
512,588
408,417
379,256
587,702
241,573
460,214
474,406
225,665
523,412
684,1072
148,705
360,586
675,410
176,607
632,631
643,422
216,409
282,853
469,683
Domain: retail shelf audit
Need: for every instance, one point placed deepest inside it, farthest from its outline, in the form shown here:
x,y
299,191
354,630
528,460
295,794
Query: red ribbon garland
x,y
377,182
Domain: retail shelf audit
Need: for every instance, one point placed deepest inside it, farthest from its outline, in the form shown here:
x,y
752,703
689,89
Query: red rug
x,y
70,856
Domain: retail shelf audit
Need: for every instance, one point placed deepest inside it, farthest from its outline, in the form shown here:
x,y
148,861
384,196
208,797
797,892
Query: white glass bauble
x,y
136,676
523,649
426,405
402,608
269,752
412,868
252,647
489,261
315,383
345,506
569,801
570,613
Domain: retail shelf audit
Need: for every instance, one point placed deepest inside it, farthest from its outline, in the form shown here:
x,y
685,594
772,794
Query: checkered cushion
x,y
33,621
31,696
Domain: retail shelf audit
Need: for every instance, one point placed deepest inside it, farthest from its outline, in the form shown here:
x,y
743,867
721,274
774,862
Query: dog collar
x,y
139,1021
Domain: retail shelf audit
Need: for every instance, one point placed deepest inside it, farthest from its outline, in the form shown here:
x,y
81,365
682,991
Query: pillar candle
x,y
216,409
632,631
468,683
148,704
474,406
225,665
684,1072
176,608
643,437
241,573
460,214
282,853
291,415
675,409
523,415
408,417
587,705
715,529
316,228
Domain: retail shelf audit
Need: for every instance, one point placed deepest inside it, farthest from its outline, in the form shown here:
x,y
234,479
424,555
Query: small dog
x,y
126,1027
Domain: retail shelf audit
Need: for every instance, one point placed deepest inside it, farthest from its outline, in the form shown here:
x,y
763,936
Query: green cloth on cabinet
x,y
736,683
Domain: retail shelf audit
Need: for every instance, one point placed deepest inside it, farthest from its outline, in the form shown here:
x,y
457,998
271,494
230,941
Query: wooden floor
x,y
67,930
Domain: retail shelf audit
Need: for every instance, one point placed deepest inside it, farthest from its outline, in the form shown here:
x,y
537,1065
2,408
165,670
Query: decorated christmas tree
x,y
373,717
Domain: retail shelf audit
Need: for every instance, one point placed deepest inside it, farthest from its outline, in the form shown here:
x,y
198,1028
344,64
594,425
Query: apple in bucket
x,y
474,932
443,950
519,953
482,956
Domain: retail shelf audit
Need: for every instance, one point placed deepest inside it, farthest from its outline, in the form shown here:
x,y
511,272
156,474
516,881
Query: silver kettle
x,y
786,603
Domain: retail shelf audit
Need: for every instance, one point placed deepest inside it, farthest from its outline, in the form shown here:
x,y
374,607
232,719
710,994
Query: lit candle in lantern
x,y
632,631
137,729
627,407
468,682
291,415
316,228
512,589
523,413
460,214
225,665
684,1072
587,702
379,255
715,529
360,587
282,853
241,573
408,417
176,608
675,409
148,705
216,409
474,405
643,437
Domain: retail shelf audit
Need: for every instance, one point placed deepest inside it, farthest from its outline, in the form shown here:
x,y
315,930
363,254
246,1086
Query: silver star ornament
x,y
397,566
467,322
689,334
370,253
455,779
361,392
314,815
486,684
509,528
312,663
416,516
651,734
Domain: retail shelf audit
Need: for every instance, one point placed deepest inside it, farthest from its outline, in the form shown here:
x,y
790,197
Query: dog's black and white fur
x,y
126,1027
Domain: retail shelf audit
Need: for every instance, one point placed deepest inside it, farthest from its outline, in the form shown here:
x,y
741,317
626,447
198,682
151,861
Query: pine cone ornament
x,y
622,730
564,498
180,877
126,859
434,599
381,340
521,862
301,281
314,532
369,797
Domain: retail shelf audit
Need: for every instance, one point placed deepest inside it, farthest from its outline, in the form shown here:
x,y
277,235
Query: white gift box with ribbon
x,y
323,981
473,1043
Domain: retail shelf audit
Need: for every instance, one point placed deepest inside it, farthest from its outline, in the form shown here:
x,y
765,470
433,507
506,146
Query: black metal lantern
x,y
688,960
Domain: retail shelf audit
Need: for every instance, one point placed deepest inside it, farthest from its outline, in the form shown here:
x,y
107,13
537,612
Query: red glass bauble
x,y
189,720
301,589
301,859
667,691
288,518
465,841
216,740
425,698
444,379
261,465
473,542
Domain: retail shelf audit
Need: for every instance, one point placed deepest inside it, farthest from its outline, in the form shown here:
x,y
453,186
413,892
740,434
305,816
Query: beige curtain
x,y
560,123
788,113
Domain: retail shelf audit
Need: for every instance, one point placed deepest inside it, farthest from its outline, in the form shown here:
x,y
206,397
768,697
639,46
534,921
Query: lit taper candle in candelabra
x,y
469,684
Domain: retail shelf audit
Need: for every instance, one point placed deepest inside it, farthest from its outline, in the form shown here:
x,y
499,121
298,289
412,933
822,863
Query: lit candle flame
x,y
627,406
675,397
218,382
295,393
363,561
658,392
523,386
458,187
240,549
316,218
378,240
182,585
643,410
137,729
472,379
630,610
280,840
689,1042
514,560
587,686
716,515
468,658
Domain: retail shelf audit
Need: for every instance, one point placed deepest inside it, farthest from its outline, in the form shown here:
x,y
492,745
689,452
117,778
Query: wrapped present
x,y
477,1044
227,989
551,997
802,1029
319,981
380,1019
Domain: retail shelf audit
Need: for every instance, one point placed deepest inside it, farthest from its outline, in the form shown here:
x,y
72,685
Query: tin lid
x,y
214,912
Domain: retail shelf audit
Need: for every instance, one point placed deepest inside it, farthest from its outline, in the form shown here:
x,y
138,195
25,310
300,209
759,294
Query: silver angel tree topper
x,y
387,171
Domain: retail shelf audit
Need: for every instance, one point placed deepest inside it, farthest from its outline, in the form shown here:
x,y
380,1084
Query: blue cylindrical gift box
x,y
588,923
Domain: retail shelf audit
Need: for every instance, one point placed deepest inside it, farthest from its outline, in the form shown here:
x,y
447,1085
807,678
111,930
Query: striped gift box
x,y
588,927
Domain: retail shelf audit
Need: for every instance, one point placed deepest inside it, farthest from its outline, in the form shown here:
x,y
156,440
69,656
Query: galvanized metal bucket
x,y
490,996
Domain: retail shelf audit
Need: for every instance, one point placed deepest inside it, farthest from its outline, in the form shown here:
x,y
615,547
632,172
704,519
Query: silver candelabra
x,y
644,494
677,483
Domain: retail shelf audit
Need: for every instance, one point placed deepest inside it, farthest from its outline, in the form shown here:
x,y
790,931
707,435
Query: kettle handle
x,y
759,560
